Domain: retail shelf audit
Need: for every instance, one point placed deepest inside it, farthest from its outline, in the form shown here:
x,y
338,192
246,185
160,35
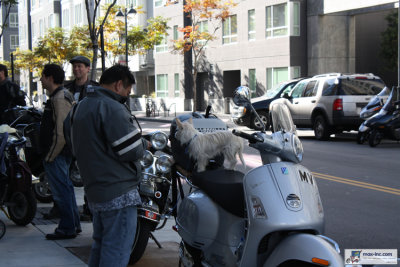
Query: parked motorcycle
x,y
262,218
15,181
27,122
154,190
373,107
386,124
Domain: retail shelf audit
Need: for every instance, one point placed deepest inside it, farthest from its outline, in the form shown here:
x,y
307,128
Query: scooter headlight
x,y
147,159
163,164
297,148
159,140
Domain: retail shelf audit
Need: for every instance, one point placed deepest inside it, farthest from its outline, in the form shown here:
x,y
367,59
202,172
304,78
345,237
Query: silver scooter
x,y
271,216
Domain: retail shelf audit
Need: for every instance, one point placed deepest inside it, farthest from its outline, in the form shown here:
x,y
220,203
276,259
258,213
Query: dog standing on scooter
x,y
203,147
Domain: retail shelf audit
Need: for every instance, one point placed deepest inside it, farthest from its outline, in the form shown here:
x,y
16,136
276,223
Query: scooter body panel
x,y
204,225
278,181
304,247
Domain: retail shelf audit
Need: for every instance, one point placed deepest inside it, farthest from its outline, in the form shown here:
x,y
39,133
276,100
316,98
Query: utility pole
x,y
188,66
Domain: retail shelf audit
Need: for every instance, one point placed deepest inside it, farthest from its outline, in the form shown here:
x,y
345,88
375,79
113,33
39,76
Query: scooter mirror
x,y
241,96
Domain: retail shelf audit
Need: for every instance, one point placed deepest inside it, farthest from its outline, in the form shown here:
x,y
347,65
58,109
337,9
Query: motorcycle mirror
x,y
36,98
241,96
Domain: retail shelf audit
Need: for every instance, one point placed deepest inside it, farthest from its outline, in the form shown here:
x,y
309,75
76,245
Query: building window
x,y
279,17
252,24
158,3
162,46
162,85
78,14
132,3
51,21
296,19
295,72
41,27
65,18
13,18
14,42
252,82
276,75
176,32
229,31
176,85
203,27
277,20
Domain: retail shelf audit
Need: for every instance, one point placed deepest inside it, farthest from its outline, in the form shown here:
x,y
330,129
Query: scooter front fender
x,y
304,247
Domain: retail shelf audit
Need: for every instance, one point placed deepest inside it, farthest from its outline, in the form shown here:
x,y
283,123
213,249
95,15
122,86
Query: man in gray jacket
x,y
107,144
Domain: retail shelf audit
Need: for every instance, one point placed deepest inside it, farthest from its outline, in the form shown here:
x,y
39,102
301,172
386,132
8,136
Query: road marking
x,y
381,188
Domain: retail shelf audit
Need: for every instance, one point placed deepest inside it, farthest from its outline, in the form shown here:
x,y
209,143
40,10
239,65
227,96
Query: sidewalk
x,y
27,246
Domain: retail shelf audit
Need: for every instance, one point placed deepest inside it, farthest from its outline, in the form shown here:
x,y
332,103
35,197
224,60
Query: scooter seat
x,y
225,187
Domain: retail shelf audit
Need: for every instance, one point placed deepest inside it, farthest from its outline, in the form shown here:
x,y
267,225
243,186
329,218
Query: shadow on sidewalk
x,y
153,256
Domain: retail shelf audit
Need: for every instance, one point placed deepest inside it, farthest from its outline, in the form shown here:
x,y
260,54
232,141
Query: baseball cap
x,y
80,59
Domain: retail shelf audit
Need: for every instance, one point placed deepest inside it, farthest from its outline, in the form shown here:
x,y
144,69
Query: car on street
x,y
331,103
244,116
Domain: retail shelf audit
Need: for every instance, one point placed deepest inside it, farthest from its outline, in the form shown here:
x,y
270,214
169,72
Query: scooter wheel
x,y
361,138
375,138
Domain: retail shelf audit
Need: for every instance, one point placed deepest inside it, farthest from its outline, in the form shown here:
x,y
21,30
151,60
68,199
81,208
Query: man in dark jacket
x,y
57,157
10,93
108,147
80,69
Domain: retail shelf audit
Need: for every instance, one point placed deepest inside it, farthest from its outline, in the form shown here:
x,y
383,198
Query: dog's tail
x,y
241,153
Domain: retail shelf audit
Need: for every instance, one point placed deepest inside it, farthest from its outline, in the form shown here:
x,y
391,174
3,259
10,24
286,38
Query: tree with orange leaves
x,y
197,35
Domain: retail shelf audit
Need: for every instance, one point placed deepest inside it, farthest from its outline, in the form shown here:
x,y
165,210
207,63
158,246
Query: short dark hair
x,y
54,71
117,73
4,68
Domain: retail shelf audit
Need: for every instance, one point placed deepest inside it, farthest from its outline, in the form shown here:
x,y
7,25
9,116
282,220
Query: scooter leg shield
x,y
304,247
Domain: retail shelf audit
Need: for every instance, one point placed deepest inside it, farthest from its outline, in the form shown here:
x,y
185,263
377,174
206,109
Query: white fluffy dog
x,y
203,147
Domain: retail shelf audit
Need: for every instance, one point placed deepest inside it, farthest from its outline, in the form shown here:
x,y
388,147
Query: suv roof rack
x,y
333,74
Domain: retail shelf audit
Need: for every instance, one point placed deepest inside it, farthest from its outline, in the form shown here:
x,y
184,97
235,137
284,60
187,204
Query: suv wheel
x,y
255,123
321,128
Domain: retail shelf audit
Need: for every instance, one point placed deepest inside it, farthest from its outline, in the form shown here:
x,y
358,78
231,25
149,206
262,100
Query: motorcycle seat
x,y
225,187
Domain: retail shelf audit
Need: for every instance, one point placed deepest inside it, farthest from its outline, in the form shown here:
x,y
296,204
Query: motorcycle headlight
x,y
163,164
159,140
297,148
147,159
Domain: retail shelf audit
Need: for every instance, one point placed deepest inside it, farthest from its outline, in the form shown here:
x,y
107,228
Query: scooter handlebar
x,y
253,138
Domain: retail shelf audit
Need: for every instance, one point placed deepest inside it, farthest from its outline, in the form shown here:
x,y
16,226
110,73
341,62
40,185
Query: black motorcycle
x,y
154,190
386,124
27,122
15,181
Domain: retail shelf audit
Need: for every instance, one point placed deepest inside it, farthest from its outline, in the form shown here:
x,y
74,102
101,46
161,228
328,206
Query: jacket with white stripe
x,y
107,145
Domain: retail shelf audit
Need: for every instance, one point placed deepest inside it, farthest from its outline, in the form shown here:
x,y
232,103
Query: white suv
x,y
331,103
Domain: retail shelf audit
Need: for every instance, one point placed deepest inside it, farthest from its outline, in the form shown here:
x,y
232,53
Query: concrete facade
x,y
332,36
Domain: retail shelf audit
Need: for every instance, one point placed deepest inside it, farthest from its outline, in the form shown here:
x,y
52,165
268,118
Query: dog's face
x,y
185,131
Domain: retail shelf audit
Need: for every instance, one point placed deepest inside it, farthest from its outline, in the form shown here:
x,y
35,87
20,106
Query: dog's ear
x,y
178,123
190,120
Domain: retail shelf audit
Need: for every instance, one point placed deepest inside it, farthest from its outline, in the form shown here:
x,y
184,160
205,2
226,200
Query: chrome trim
x,y
187,180
332,242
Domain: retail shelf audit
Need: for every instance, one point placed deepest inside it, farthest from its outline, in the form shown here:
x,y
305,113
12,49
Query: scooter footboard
x,y
304,247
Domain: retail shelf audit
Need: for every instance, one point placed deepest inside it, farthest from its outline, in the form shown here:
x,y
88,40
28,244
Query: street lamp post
x,y
125,15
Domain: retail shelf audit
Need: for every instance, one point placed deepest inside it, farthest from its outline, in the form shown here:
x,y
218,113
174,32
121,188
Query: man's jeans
x,y
62,189
113,234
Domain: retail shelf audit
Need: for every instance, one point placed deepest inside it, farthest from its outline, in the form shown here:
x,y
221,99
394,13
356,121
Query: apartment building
x,y
10,39
265,42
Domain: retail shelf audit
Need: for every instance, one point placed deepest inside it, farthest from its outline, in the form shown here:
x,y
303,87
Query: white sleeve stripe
x,y
126,149
124,138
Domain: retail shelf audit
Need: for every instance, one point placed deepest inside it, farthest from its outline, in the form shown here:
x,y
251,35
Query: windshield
x,y
394,96
275,90
281,118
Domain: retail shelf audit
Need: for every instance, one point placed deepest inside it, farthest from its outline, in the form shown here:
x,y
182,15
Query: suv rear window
x,y
353,86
